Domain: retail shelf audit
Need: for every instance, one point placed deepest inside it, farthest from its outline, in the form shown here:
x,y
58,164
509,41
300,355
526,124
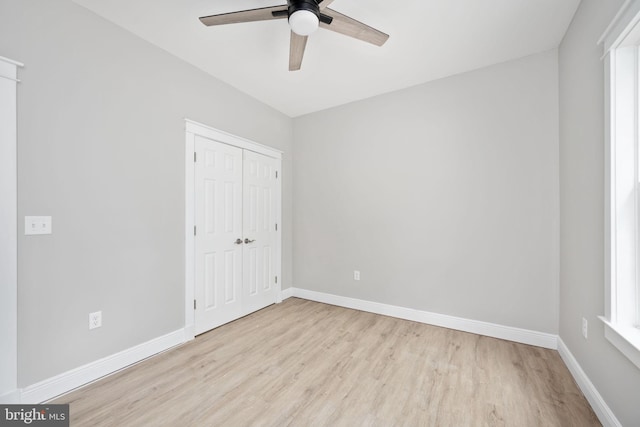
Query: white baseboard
x,y
90,372
600,407
287,293
11,397
509,333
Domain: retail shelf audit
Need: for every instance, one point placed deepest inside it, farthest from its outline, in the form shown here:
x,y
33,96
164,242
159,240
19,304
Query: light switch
x,y
37,225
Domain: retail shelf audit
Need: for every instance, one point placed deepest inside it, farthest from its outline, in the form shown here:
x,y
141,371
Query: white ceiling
x,y
429,39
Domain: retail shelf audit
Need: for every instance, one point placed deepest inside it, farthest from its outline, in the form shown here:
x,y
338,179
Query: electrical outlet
x,y
585,328
356,275
95,320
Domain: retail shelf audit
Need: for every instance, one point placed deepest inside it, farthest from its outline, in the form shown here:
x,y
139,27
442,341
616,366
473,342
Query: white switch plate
x,y
356,275
585,328
37,225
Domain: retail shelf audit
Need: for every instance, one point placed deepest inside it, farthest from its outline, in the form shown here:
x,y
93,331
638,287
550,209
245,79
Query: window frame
x,y
621,42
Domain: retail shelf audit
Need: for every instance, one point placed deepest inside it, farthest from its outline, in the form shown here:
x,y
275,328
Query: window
x,y
622,232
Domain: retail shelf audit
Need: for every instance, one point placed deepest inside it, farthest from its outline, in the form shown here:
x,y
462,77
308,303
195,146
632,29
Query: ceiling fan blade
x,y
324,3
296,51
261,14
350,27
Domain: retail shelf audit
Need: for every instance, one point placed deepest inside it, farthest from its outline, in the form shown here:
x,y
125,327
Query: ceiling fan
x,y
305,16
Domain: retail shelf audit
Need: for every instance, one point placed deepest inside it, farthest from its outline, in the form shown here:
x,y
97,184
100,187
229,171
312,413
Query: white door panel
x,y
259,211
218,200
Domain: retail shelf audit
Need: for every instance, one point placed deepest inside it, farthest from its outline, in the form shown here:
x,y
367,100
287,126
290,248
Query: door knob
x,y
249,241
238,241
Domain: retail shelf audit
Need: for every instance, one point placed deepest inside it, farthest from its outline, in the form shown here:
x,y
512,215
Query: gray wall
x,y
582,210
101,149
444,196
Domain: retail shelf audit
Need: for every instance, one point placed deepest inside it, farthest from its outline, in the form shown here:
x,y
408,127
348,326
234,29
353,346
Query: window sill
x,y
624,338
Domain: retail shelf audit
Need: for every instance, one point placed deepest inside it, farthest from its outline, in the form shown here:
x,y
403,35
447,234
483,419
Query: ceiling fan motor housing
x,y
310,5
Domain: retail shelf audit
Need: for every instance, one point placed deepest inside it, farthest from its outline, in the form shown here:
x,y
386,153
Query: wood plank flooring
x,y
302,363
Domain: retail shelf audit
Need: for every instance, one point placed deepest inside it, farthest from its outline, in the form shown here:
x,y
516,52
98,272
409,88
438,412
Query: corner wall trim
x,y
524,336
83,375
600,407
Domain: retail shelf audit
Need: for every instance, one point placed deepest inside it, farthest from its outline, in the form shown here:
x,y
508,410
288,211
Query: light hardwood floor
x,y
302,363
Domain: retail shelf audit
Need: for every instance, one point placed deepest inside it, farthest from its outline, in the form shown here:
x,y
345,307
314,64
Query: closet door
x,y
259,228
236,236
218,240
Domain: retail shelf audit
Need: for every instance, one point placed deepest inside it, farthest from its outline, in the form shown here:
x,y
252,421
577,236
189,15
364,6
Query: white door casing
x,y
8,232
265,287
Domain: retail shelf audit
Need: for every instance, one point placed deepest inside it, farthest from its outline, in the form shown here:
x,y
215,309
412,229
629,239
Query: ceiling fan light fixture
x,y
304,17
303,22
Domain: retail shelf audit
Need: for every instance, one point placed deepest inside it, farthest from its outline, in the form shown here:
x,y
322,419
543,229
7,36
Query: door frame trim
x,y
9,392
193,129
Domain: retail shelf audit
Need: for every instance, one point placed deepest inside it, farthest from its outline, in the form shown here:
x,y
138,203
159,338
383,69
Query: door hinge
x,y
276,227
276,279
276,174
194,304
194,230
195,157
